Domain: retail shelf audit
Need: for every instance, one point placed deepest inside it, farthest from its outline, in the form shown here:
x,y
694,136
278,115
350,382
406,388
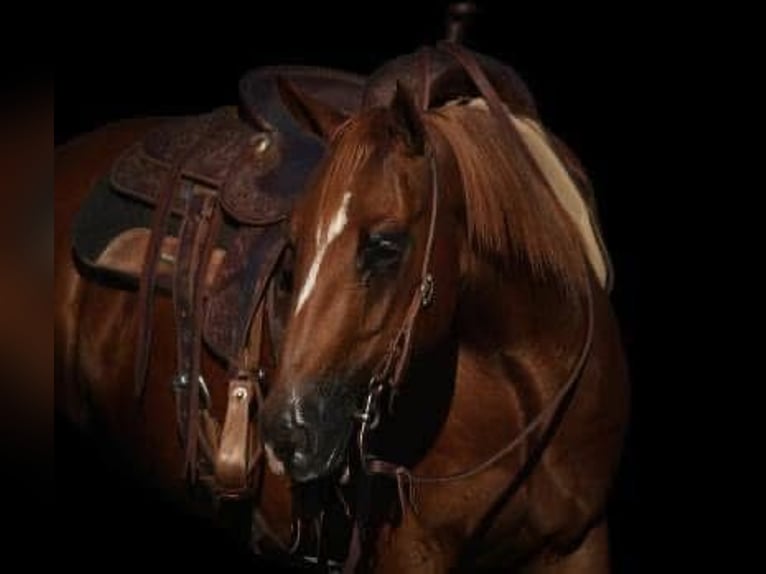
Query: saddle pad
x,y
106,216
244,259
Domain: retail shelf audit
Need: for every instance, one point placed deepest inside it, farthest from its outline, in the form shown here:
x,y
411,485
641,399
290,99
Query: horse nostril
x,y
301,440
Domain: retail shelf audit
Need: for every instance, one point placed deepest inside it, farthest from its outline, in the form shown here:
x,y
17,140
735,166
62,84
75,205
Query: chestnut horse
x,y
449,322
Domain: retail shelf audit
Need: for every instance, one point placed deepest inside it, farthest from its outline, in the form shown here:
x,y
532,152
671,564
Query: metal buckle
x,y
427,291
370,415
181,383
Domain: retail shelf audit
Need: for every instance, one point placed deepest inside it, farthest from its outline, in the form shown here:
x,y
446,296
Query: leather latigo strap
x,y
198,230
170,184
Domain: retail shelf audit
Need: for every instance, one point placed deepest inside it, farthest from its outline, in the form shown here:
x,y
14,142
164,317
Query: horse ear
x,y
312,114
409,118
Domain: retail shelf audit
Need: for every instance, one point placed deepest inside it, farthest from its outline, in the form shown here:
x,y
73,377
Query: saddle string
x,y
202,223
210,221
148,277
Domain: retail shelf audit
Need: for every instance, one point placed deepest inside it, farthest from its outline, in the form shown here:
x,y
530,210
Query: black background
x,y
588,72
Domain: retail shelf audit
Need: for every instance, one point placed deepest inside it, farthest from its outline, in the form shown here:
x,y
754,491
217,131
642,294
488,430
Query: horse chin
x,y
304,469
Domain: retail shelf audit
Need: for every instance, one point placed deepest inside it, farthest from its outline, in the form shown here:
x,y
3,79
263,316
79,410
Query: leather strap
x,y
231,462
235,458
148,279
196,237
149,272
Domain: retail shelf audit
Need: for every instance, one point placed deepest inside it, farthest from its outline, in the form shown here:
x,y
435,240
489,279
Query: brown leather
x,y
390,372
195,247
238,453
241,285
232,458
255,157
446,80
148,277
229,157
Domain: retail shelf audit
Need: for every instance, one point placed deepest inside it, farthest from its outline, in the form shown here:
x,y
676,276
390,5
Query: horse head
x,y
360,240
407,212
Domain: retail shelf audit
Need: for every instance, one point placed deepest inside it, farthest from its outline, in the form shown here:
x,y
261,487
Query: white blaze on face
x,y
323,239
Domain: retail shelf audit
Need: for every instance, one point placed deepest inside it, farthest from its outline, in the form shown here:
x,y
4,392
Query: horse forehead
x,y
363,188
335,220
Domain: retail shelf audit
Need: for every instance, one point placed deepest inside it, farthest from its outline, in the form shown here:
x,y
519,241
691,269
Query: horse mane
x,y
511,215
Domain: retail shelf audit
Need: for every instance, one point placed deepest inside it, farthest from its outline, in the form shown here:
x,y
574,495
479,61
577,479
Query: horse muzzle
x,y
306,434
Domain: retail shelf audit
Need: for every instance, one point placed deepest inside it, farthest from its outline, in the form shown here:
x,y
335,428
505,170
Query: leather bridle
x,y
390,371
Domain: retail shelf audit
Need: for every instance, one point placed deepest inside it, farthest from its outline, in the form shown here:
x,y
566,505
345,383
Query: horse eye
x,y
381,252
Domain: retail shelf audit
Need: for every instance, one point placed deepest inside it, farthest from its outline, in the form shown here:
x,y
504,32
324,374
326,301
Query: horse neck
x,y
525,331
